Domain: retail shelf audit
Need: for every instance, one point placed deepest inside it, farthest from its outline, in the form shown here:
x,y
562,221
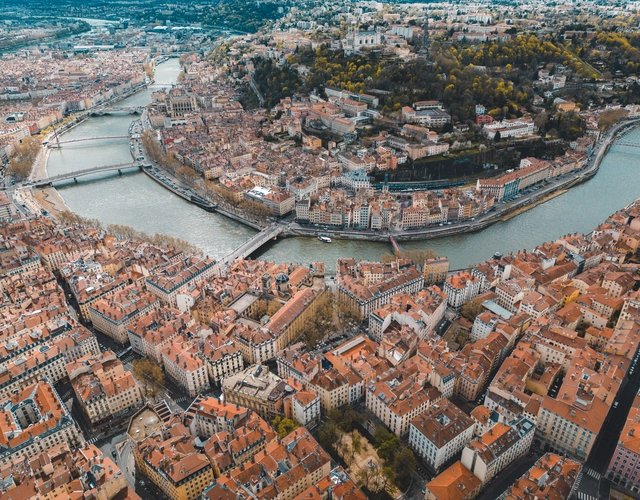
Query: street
x,y
606,442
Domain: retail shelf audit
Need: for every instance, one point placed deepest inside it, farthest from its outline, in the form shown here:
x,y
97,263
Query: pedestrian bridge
x,y
118,110
627,144
252,244
102,138
81,173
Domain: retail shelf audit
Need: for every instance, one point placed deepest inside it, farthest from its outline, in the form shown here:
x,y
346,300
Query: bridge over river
x,y
81,173
254,243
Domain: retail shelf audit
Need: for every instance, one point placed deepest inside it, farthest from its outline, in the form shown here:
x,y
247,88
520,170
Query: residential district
x,y
339,158
533,374
131,369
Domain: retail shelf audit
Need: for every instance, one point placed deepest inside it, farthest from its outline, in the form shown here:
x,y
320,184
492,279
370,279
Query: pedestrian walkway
x,y
593,474
92,440
586,496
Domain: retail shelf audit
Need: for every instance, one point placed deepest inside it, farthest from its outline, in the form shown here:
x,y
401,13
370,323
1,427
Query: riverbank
x,y
531,205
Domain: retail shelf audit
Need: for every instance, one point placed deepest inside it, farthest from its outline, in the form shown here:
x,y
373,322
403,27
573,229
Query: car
x,y
142,483
615,405
114,453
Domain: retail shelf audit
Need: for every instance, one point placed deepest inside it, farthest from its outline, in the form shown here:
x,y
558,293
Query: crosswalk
x,y
593,474
92,440
128,358
181,399
66,394
586,496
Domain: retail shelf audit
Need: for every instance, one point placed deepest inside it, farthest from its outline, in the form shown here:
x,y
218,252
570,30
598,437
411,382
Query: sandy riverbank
x,y
47,198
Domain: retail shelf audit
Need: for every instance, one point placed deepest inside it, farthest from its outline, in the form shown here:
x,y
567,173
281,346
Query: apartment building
x,y
45,363
440,432
113,315
35,419
256,388
366,286
552,476
222,357
166,454
436,270
283,470
570,423
398,400
175,278
420,312
185,367
155,330
306,408
624,467
461,288
455,483
332,388
103,388
500,446
286,324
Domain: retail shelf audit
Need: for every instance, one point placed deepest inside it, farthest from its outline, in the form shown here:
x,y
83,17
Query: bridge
x,y
627,144
105,137
114,110
394,244
252,244
81,173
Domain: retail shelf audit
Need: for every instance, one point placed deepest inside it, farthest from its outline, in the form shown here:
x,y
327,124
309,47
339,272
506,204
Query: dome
x,y
282,278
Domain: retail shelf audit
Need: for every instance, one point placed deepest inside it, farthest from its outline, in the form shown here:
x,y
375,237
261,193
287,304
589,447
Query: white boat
x,y
324,239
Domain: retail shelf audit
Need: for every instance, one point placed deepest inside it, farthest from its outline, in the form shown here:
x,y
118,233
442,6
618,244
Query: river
x,y
135,200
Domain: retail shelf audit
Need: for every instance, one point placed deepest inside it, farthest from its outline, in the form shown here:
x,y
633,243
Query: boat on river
x,y
324,239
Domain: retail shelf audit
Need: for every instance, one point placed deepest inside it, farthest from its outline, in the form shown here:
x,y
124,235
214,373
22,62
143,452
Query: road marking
x,y
586,496
593,473
92,440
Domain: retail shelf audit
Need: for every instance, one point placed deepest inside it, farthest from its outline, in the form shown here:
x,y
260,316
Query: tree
x,y
389,475
497,137
356,444
23,158
419,257
284,426
471,310
609,117
347,314
274,307
150,375
320,324
404,465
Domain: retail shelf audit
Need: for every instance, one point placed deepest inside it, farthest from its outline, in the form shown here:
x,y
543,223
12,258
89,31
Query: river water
x,y
135,200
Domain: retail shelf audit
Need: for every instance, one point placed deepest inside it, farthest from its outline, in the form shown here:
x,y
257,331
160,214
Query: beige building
x,y
185,367
113,315
166,454
177,277
35,419
103,388
222,357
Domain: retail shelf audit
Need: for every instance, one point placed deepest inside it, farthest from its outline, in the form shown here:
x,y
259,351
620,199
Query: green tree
x,y
150,375
285,426
404,465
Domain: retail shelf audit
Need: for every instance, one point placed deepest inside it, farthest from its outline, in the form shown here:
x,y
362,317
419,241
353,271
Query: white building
x,y
461,288
306,408
185,367
440,432
509,128
357,40
500,446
